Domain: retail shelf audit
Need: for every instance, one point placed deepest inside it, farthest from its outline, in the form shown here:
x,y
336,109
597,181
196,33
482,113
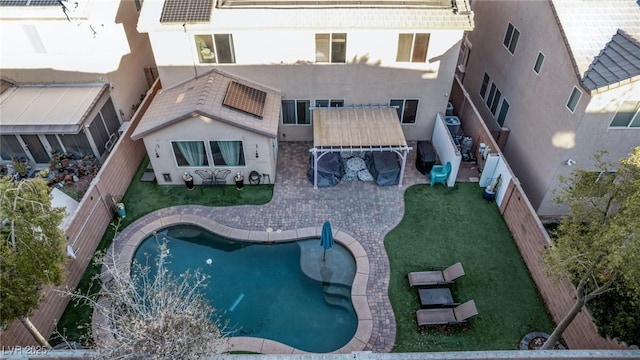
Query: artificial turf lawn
x,y
442,226
140,199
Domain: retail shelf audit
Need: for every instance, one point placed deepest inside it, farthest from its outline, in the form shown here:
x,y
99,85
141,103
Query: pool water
x,y
279,291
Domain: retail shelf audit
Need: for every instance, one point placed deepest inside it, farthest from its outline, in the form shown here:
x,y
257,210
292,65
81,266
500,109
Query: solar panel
x,y
186,11
245,98
30,3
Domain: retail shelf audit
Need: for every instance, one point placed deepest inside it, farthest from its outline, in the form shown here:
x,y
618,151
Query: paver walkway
x,y
363,210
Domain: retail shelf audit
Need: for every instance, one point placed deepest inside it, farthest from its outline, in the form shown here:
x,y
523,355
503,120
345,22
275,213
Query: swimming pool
x,y
282,291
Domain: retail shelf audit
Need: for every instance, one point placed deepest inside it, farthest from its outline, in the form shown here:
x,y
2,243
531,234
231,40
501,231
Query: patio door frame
x,y
27,148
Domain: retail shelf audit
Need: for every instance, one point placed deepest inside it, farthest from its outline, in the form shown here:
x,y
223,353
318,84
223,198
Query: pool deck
x,y
357,210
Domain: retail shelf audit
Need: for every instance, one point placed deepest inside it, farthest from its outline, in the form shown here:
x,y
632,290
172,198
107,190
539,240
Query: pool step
x,y
337,295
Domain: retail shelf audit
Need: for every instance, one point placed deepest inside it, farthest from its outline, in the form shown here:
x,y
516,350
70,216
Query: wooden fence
x,y
531,238
88,225
95,213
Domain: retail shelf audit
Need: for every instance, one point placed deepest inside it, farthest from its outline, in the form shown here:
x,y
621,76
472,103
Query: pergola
x,y
361,128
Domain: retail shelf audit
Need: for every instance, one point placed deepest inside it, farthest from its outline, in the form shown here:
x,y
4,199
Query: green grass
x,y
140,199
442,226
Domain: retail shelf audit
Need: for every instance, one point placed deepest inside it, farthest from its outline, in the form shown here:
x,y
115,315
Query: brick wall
x,y
86,229
532,238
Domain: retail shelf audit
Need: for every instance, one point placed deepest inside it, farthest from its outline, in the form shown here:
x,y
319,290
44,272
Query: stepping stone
x,y
148,176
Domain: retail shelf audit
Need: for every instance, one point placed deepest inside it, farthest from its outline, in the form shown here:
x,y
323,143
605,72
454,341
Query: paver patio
x,y
362,209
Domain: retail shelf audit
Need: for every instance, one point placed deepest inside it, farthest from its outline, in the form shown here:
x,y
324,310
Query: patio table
x,y
437,297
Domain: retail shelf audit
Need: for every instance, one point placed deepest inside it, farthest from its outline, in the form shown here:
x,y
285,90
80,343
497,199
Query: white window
x,y
628,115
407,109
495,101
574,98
485,84
296,112
227,153
492,95
538,64
190,153
412,47
331,48
463,57
502,115
216,49
511,38
329,103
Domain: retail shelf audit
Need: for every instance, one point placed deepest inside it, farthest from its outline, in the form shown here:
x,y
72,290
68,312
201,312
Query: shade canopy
x,y
359,128
59,109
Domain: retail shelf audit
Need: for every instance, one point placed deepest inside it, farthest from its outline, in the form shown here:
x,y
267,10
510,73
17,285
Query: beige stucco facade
x,y
279,51
99,44
201,128
544,133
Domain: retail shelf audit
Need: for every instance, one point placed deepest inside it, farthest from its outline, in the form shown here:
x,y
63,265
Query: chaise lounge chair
x,y
456,316
436,277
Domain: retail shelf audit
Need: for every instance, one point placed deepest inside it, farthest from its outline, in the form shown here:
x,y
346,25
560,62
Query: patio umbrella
x,y
326,239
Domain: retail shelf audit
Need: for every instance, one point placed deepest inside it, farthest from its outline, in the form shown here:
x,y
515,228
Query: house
x,y
214,121
564,83
72,73
316,54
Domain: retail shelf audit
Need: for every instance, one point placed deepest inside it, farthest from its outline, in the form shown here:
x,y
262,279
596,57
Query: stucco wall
x,y
594,134
205,129
370,76
544,134
117,54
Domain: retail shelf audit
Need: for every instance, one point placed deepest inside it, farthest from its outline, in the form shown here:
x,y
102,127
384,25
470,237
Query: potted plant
x,y
120,210
188,180
20,167
489,192
239,179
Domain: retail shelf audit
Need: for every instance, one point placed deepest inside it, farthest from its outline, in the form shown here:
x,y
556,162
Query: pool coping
x,y
123,249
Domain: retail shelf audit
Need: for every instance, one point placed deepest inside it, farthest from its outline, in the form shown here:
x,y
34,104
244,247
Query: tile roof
x,y
204,96
343,18
590,29
334,3
459,17
618,61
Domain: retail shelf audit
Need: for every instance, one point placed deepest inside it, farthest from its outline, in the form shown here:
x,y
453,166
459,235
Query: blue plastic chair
x,y
439,174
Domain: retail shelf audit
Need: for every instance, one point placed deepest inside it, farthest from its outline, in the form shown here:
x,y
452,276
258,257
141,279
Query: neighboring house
x,y
214,121
72,72
317,54
563,77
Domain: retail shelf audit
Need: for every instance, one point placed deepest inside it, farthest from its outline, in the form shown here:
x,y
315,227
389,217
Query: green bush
x,y
617,316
